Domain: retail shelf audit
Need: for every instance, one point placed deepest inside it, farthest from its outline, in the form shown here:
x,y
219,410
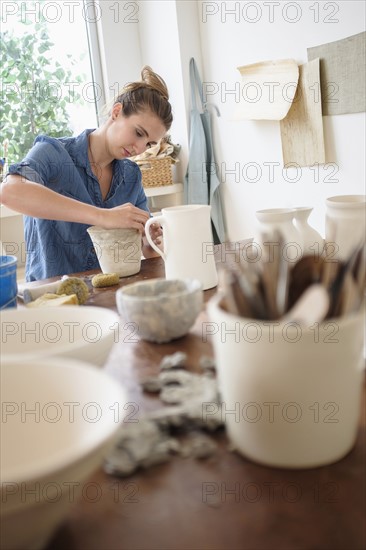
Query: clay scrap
x,y
178,429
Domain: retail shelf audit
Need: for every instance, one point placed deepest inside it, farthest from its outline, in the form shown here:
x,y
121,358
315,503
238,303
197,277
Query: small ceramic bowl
x,y
161,309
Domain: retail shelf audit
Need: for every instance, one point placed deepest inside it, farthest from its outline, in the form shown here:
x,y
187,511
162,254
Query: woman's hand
x,y
129,216
125,216
156,233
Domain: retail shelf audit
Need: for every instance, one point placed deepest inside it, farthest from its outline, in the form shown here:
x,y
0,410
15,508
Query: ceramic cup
x,y
118,250
291,395
345,223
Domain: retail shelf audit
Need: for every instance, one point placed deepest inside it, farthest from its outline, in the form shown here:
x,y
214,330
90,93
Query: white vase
x,y
345,224
280,219
312,241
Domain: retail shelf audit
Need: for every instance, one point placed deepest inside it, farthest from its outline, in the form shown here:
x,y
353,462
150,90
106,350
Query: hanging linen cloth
x,y
201,183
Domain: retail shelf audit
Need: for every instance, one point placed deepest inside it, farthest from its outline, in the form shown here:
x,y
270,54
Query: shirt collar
x,y
79,148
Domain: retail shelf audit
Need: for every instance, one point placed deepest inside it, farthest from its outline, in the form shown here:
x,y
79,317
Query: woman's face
x,y
130,136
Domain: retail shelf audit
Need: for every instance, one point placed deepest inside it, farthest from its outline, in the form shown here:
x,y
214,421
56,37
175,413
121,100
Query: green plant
x,y
35,90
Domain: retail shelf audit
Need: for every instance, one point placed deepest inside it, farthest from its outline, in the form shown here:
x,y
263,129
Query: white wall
x,y
169,32
119,42
160,48
229,41
154,33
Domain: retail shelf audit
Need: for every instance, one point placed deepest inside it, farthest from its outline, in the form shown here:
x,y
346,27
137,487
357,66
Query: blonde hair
x,y
149,94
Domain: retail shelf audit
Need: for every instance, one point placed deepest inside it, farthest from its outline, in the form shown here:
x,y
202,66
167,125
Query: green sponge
x,y
105,279
74,285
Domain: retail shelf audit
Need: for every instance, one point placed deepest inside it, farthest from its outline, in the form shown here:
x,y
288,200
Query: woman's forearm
x,y
35,200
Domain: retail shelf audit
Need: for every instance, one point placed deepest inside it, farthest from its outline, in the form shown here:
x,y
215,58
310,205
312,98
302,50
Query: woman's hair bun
x,y
154,81
148,94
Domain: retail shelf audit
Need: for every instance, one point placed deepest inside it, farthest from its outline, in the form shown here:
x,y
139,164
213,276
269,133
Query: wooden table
x,y
224,502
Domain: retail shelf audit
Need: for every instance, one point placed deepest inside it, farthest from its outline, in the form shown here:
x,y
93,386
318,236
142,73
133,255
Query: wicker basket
x,y
157,172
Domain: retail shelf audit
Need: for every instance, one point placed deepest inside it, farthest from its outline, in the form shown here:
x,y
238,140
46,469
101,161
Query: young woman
x,y
65,185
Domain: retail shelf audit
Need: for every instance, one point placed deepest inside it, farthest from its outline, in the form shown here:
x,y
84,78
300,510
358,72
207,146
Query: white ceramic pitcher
x,y
188,243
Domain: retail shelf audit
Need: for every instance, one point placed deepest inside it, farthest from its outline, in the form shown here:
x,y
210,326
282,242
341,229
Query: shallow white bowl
x,y
161,309
58,422
82,332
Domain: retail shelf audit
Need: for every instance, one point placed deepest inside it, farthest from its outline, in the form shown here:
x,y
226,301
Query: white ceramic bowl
x,y
48,455
82,332
161,309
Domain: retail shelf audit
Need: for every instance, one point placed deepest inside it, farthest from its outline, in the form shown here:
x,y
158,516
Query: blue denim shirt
x,y
56,247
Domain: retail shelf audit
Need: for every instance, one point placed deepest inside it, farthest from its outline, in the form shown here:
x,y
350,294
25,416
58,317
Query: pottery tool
x,y
337,287
235,299
31,294
311,307
251,285
66,285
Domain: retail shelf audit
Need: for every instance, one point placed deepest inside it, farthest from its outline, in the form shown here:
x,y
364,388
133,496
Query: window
x,y
47,84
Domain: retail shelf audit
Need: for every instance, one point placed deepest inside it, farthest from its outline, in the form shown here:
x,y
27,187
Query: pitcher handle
x,y
150,221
